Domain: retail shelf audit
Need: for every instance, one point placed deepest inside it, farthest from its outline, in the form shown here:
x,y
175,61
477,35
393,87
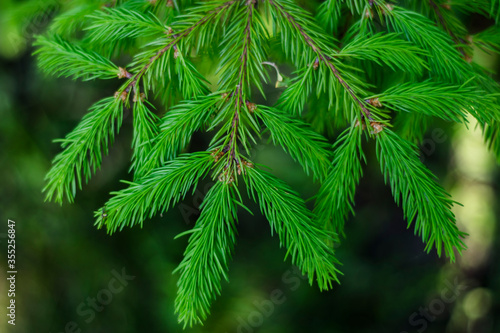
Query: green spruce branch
x,y
367,69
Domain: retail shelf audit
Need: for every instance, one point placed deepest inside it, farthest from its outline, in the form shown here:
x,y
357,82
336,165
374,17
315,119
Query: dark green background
x,y
62,259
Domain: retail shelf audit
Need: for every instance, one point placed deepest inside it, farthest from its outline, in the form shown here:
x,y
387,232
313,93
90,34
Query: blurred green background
x,y
64,262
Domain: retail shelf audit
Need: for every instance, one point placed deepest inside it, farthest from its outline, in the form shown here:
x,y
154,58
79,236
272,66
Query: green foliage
x,y
335,198
444,60
206,258
488,39
319,70
295,226
114,24
422,199
386,49
301,142
145,131
492,134
236,51
176,129
362,68
476,6
83,149
495,10
62,58
298,32
156,192
162,69
449,102
70,20
412,126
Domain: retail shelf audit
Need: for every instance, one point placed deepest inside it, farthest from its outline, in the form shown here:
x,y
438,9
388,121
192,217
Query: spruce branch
x,y
387,49
242,83
358,6
488,40
196,19
174,39
412,126
323,57
298,139
241,59
445,62
145,132
482,7
154,193
206,258
177,127
172,75
448,102
409,61
444,20
330,15
73,19
83,149
422,199
295,226
242,62
335,199
113,24
61,58
189,80
492,136
318,82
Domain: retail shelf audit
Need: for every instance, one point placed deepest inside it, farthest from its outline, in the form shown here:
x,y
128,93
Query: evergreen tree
x,y
370,70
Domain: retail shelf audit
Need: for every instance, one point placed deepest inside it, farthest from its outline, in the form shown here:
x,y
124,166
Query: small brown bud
x,y
169,31
363,125
122,95
224,95
446,6
226,178
248,164
377,127
122,73
375,102
170,4
217,154
176,52
316,63
251,107
369,13
142,96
